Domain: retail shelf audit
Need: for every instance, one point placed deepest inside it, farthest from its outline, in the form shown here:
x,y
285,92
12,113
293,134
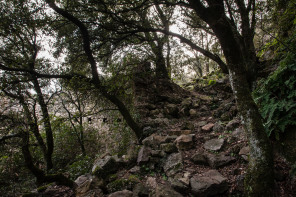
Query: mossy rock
x,y
122,184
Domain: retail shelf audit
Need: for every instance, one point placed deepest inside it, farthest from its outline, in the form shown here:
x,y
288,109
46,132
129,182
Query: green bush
x,y
81,166
276,97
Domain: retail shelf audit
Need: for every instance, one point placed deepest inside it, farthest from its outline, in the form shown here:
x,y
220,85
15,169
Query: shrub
x,y
276,97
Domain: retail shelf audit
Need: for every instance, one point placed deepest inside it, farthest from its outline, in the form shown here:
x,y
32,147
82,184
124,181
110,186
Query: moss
x,y
121,184
43,188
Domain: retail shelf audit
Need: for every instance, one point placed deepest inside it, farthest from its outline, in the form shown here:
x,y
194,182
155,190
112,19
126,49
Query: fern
x,y
276,97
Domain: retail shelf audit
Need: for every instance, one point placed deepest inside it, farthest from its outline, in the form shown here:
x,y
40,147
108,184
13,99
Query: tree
x,y
236,40
18,64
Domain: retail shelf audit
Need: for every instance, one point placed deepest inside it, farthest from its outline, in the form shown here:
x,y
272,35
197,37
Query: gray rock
x,y
144,155
185,179
124,193
184,142
207,127
239,134
210,183
201,123
218,127
178,185
151,182
214,144
165,191
104,167
232,125
154,140
169,147
135,170
244,153
199,158
173,164
217,161
192,112
87,184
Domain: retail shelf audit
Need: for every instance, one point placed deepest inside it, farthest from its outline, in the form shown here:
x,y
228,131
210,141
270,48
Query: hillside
x,y
195,146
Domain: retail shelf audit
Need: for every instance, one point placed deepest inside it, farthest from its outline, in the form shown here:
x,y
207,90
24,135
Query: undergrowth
x,y
276,97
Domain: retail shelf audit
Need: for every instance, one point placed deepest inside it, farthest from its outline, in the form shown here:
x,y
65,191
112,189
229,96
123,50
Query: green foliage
x,y
276,97
212,82
81,166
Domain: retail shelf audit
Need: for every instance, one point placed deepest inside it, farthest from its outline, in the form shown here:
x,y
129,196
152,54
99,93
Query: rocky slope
x,y
194,146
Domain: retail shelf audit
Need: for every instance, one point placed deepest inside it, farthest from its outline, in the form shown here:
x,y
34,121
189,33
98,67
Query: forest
x,y
147,98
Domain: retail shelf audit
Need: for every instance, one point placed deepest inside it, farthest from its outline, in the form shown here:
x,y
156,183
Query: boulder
x,y
144,155
199,158
87,185
83,184
178,185
184,142
104,167
217,161
124,193
214,144
210,183
208,127
165,191
173,164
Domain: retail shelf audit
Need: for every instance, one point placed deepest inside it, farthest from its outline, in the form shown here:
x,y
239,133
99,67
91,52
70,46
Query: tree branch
x,y
7,137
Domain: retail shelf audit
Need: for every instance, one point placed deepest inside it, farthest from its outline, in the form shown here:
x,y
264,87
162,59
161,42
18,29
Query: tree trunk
x,y
38,173
259,179
47,124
